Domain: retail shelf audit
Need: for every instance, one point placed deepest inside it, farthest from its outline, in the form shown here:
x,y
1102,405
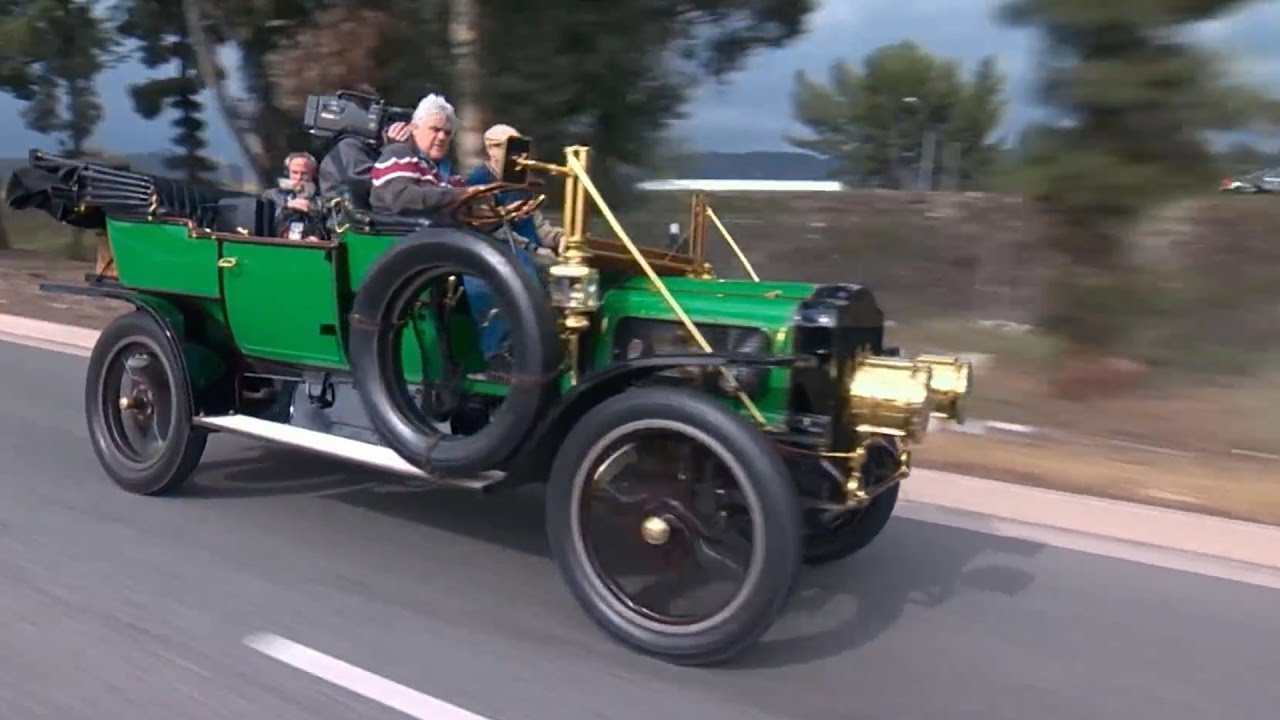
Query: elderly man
x,y
297,213
534,232
297,187
416,178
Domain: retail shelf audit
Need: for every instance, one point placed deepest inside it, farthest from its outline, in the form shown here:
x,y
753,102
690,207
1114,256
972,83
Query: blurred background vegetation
x,y
1093,243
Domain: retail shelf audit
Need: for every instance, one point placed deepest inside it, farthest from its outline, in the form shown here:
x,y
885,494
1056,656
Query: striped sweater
x,y
404,182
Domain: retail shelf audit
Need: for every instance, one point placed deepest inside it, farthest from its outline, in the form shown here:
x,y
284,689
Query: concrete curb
x,y
26,327
47,335
1229,539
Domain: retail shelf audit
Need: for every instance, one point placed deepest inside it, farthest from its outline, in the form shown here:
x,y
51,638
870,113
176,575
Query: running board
x,y
336,446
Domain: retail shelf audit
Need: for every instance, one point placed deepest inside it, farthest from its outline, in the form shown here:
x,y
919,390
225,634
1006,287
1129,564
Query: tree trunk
x,y
251,146
4,233
465,49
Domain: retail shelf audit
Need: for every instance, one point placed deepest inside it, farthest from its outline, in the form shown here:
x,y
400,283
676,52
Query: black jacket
x,y
350,157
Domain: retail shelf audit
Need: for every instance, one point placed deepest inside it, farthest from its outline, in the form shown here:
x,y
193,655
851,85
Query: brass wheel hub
x,y
137,403
655,530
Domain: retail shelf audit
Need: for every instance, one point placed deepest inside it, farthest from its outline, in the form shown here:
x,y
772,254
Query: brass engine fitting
x,y
888,397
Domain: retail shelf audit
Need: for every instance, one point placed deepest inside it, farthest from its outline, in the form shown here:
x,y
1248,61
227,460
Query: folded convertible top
x,y
83,193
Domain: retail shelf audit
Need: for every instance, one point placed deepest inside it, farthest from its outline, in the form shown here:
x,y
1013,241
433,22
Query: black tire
x,y
394,281
163,396
852,535
767,491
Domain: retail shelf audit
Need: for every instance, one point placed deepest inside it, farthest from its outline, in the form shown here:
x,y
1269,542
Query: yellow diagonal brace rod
x,y
732,245
586,184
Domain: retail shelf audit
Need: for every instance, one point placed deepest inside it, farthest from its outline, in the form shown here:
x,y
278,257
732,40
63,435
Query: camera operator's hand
x,y
398,132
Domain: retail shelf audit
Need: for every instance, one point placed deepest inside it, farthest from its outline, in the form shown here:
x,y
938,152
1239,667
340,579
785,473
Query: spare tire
x,y
392,285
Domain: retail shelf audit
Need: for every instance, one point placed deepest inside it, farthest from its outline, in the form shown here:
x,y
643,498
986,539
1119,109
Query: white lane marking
x,y
1163,557
1255,454
362,682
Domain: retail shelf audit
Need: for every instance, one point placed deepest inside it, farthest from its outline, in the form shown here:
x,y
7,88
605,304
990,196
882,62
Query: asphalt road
x,y
118,607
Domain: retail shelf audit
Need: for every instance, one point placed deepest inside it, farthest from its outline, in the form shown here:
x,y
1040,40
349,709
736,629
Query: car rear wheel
x,y
674,524
138,408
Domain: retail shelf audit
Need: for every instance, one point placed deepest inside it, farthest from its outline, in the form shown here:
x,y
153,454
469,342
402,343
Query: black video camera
x,y
347,112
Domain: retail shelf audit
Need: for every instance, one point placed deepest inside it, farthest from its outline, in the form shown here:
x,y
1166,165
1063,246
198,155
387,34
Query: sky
x,y
751,110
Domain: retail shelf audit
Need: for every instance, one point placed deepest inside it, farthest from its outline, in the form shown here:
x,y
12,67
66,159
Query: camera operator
x,y
352,156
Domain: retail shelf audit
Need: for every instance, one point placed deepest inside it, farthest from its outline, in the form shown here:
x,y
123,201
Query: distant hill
x,y
756,165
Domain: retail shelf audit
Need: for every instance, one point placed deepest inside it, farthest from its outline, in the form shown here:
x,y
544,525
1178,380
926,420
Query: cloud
x,y
753,110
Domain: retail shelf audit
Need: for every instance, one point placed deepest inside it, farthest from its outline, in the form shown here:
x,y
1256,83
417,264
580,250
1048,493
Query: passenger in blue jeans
x,y
532,239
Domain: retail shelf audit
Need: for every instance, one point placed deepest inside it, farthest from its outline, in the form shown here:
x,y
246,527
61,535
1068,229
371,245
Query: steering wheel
x,y
476,207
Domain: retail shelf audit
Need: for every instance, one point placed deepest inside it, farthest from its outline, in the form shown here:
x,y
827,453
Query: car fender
x,y
539,447
167,314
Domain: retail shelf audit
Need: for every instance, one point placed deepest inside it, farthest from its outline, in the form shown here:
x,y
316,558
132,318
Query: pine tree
x,y
164,42
1137,102
608,74
54,52
876,120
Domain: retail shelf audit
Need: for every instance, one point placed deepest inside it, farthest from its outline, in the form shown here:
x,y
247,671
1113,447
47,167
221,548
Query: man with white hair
x,y
415,177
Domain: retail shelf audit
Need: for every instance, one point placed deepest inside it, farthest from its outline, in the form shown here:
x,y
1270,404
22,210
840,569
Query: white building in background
x,y
744,185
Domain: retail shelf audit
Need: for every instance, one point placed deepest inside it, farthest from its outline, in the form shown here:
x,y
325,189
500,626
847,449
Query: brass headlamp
x,y
890,396
949,385
574,287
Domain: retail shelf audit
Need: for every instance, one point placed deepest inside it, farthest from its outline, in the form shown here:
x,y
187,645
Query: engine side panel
x,y
634,321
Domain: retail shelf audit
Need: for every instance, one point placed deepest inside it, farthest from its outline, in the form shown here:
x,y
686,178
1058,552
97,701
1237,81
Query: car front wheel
x,y
674,524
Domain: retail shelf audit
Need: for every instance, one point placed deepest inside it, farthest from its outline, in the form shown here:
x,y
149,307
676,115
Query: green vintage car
x,y
700,438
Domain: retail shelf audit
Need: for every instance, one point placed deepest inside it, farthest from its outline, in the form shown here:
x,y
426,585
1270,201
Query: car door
x,y
280,299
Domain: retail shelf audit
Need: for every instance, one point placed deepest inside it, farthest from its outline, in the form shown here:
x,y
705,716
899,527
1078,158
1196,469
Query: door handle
x,y
226,262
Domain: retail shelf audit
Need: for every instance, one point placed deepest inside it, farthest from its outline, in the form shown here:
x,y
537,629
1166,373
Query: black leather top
x,y
58,185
